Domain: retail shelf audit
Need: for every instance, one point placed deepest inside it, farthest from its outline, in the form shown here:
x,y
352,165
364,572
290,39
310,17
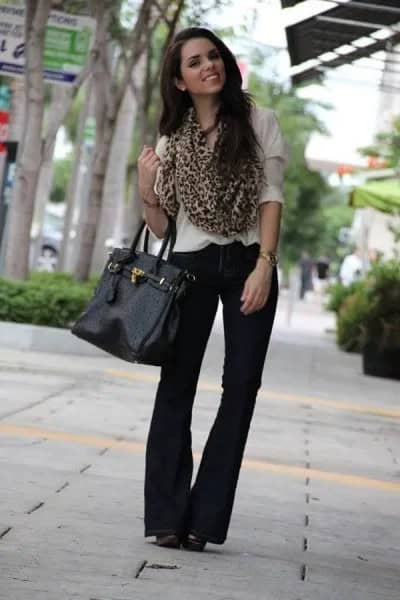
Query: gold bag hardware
x,y
137,274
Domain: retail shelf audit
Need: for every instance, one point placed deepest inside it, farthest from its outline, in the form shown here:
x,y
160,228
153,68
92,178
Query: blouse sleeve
x,y
275,156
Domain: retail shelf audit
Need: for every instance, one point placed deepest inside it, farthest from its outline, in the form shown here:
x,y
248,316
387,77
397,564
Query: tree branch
x,y
163,11
170,35
137,41
65,107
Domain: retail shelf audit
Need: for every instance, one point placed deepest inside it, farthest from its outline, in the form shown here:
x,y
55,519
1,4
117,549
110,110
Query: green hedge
x,y
368,310
381,324
350,321
338,293
52,299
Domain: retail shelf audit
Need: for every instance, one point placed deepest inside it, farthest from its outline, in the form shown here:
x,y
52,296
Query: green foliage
x,y
372,312
195,13
62,175
303,219
336,214
350,321
386,145
382,321
337,293
74,7
71,121
51,299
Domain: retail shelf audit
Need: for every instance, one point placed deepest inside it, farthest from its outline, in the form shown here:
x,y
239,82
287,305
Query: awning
x,y
332,38
382,195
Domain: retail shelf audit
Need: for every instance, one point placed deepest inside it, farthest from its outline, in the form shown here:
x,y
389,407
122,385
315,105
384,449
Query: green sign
x,y
65,49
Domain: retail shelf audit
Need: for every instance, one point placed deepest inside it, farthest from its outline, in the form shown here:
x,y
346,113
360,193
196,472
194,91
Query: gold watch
x,y
270,257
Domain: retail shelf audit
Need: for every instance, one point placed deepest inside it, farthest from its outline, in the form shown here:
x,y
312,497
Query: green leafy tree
x,y
303,220
61,177
386,145
336,215
71,121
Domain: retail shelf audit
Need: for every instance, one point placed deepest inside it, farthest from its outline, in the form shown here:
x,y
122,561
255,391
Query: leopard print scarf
x,y
213,202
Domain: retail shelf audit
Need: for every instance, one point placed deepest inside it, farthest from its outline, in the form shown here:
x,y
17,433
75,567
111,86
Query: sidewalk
x,y
316,512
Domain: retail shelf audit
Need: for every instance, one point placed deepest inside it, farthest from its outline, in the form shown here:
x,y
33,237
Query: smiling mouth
x,y
212,77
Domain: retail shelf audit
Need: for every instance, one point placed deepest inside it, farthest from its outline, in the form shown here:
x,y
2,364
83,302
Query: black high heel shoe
x,y
168,541
194,543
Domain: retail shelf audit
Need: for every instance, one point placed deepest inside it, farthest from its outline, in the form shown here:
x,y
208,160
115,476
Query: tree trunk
x,y
75,201
17,108
101,89
60,96
115,182
109,95
29,155
89,224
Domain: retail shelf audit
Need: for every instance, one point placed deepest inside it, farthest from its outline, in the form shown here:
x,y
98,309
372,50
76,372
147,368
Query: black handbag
x,y
134,313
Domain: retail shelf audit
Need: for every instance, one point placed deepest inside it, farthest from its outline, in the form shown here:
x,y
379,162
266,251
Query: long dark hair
x,y
239,142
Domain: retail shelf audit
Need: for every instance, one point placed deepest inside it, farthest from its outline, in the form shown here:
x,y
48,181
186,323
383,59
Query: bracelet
x,y
271,257
151,204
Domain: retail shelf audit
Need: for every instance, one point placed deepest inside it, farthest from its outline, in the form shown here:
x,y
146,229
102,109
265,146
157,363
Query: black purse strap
x,y
169,238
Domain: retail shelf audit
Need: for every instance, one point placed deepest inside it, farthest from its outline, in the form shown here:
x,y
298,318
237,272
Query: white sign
x,y
66,48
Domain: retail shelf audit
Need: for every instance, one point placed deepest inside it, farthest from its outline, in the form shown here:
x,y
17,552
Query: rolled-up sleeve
x,y
272,190
275,155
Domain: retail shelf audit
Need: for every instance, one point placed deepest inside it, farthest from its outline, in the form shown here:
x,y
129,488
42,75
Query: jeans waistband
x,y
234,259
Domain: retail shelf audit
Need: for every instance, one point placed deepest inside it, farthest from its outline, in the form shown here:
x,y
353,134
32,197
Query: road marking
x,y
272,395
248,463
66,436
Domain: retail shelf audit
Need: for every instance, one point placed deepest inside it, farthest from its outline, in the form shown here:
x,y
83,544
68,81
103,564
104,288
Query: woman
x,y
217,170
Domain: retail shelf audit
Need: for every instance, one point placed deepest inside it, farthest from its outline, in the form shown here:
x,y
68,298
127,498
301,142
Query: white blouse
x,y
191,238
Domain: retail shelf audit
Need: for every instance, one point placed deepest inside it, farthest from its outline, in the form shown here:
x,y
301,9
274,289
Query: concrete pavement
x,y
316,513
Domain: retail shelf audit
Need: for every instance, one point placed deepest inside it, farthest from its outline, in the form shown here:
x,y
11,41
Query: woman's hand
x,y
148,163
257,288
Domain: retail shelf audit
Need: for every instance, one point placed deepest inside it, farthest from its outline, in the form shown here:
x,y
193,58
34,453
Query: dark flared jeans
x,y
171,505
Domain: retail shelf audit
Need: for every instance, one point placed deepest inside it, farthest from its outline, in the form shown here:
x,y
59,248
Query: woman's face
x,y
202,68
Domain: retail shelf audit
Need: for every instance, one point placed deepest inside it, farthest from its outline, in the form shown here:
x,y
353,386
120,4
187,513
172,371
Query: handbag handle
x,y
172,240
169,238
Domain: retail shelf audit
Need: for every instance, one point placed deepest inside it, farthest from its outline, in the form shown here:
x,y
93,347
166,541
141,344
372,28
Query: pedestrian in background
x,y
306,274
351,268
218,171
321,279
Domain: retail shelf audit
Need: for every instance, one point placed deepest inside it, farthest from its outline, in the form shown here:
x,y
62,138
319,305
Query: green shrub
x,y
52,299
382,321
337,293
350,320
372,312
44,278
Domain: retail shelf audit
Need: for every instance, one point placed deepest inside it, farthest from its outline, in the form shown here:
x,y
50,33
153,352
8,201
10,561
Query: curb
x,y
37,338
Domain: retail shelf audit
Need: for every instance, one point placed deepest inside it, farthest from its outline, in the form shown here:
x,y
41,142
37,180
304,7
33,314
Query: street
x,y
317,507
